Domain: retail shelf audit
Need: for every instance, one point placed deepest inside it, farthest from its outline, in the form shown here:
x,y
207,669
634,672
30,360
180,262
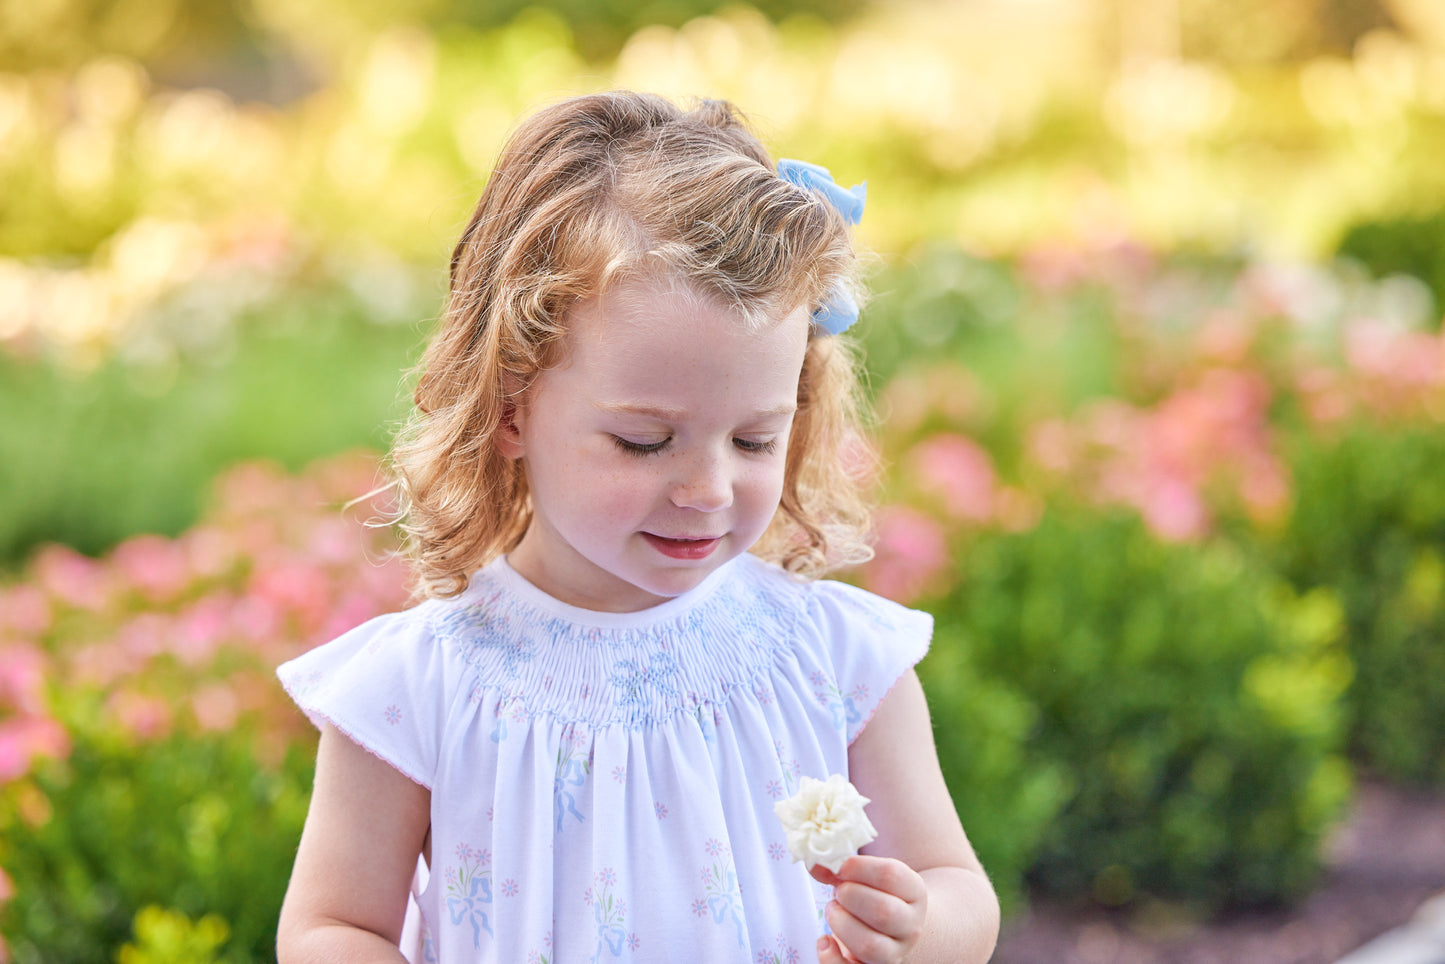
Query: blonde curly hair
x,y
585,192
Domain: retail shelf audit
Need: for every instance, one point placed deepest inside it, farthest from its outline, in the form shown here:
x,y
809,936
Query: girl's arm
x,y
917,893
365,828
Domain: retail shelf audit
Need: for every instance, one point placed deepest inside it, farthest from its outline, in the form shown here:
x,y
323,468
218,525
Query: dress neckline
x,y
524,591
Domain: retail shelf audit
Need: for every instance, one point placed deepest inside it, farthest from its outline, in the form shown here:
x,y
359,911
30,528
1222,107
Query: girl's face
x,y
655,452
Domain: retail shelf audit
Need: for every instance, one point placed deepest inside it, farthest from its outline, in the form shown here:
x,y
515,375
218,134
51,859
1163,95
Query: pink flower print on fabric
x,y
720,880
469,891
393,714
609,913
791,769
660,808
539,957
784,953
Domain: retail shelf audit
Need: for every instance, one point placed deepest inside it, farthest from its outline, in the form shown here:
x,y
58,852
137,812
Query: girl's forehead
x,y
666,337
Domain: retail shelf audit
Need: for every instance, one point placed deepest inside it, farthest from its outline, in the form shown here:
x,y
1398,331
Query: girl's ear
x,y
509,431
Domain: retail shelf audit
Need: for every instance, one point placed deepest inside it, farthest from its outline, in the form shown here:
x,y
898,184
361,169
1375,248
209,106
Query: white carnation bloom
x,y
825,822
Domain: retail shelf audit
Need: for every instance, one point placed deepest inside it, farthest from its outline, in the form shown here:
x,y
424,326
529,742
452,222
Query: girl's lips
x,y
682,548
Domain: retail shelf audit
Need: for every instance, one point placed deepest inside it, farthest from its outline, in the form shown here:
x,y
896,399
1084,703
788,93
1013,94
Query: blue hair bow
x,y
837,314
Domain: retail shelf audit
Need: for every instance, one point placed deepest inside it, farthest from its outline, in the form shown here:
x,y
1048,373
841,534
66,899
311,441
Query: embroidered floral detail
x,y
469,891
629,675
641,685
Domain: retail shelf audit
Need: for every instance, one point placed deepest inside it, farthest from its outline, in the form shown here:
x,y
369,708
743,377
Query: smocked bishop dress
x,y
603,783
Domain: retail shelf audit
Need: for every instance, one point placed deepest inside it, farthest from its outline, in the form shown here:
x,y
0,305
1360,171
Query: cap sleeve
x,y
384,684
871,642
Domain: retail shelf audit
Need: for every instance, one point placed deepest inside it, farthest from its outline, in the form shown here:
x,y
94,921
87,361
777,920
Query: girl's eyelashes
x,y
751,446
640,448
757,446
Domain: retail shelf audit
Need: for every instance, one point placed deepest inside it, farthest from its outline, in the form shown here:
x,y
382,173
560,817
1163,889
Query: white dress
x,y
602,784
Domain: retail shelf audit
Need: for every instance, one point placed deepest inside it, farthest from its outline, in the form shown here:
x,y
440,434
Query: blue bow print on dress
x,y
471,908
837,314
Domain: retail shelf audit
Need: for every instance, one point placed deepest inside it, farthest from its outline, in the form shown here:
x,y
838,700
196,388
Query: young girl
x,y
634,449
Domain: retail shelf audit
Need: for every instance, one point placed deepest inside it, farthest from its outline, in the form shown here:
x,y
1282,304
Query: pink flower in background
x,y
201,628
1326,398
72,578
157,567
144,717
1051,445
22,678
350,611
1397,372
25,738
960,472
210,552
162,633
24,610
296,587
215,707
1173,509
909,555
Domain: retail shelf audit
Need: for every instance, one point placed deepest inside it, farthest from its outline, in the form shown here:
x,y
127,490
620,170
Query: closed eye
x,y
757,446
640,448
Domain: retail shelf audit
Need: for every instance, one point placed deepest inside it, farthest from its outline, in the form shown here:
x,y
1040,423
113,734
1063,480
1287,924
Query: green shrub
x,y
1005,798
94,458
194,824
1191,703
1369,525
1413,245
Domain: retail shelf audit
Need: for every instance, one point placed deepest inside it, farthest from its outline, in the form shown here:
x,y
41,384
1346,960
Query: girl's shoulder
x,y
841,611
865,644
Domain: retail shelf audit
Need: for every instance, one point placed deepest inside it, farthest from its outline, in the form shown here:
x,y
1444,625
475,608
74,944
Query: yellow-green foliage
x,y
170,937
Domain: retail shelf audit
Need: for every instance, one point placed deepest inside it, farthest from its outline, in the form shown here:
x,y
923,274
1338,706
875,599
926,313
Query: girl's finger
x,y
885,874
877,910
862,942
829,952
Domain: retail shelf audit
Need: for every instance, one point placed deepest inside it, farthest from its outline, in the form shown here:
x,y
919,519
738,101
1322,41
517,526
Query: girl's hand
x,y
877,912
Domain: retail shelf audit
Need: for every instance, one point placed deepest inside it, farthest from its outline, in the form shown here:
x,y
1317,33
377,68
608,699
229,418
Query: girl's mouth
x,y
682,548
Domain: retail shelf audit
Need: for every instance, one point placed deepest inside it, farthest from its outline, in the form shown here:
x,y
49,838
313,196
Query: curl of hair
x,y
587,192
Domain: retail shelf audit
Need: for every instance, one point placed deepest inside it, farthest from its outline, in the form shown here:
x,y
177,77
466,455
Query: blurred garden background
x,y
1155,340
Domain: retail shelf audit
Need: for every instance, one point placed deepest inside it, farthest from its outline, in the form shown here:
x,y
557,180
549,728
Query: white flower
x,y
825,822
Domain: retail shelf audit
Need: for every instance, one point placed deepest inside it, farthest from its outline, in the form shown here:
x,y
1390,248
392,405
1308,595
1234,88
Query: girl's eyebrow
x,y
664,414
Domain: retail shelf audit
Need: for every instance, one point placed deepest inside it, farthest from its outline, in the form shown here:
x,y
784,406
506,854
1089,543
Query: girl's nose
x,y
704,485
